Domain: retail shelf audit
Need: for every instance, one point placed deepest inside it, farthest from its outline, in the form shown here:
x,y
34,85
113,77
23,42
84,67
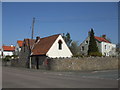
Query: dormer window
x,y
60,45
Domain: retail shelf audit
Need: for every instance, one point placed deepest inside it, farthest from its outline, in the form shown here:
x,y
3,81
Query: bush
x,y
78,55
14,56
95,54
7,58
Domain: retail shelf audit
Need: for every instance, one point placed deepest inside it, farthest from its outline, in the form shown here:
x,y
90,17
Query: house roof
x,y
20,43
101,39
43,45
8,48
29,42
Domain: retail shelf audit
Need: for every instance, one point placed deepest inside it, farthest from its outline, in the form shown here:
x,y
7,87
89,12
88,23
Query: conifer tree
x,y
92,48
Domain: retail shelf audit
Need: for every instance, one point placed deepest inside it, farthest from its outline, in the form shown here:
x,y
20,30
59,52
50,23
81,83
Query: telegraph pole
x,y
33,27
33,22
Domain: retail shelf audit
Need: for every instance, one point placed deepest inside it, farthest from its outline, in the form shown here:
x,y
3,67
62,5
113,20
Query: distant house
x,y
7,50
18,47
35,52
25,52
105,47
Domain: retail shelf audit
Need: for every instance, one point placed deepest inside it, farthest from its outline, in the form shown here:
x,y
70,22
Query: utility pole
x,y
30,65
33,27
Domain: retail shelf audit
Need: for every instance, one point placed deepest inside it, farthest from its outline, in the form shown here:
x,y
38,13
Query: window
x,y
82,49
104,53
60,45
86,42
105,47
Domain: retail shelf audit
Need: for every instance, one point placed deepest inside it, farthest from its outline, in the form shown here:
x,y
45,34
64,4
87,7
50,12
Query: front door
x,y
37,62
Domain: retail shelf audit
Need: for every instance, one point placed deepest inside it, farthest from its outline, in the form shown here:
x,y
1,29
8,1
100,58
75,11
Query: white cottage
x,y
35,52
7,50
105,47
18,47
53,46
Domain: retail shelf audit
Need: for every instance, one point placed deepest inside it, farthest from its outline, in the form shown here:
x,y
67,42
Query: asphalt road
x,y
26,78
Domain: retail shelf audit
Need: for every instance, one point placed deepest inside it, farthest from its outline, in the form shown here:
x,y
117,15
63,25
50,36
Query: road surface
x,y
30,78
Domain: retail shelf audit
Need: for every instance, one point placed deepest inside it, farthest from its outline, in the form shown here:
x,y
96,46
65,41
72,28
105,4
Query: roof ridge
x,y
102,39
51,36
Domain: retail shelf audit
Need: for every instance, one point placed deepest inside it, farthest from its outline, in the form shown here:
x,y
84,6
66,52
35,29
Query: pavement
x,y
30,78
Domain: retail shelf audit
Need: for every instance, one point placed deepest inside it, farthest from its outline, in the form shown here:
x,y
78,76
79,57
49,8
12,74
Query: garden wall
x,y
84,64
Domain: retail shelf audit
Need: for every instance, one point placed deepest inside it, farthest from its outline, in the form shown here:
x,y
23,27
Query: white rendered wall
x,y
110,48
54,51
5,53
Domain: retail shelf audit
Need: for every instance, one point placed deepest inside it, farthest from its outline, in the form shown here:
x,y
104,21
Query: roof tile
x,y
101,39
8,48
42,47
20,43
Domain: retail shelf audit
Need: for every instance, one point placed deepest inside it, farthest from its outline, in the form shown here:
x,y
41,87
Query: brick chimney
x,y
37,38
104,36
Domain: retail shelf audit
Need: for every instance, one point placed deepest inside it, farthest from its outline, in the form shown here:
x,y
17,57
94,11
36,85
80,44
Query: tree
x,y
67,39
6,59
75,49
92,48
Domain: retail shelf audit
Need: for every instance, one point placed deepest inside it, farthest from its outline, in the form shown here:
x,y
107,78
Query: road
x,y
29,78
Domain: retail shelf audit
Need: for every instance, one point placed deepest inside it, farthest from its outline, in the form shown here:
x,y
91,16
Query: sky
x,y
51,18
0,24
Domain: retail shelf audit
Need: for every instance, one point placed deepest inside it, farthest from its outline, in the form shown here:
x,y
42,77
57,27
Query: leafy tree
x,y
67,39
75,49
92,48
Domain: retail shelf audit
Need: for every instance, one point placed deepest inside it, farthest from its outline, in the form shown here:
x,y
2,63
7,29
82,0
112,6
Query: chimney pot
x,y
104,36
37,38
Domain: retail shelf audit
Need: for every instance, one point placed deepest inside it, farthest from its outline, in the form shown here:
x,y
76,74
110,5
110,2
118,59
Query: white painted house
x,y
35,52
18,47
52,46
105,47
7,50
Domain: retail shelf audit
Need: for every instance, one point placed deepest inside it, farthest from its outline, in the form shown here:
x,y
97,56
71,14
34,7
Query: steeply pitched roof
x,y
43,45
8,48
101,39
20,43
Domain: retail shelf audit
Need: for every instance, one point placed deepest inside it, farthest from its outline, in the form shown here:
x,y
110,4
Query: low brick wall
x,y
84,64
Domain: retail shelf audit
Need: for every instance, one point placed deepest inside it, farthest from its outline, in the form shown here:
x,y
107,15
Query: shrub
x,y
7,58
95,54
78,55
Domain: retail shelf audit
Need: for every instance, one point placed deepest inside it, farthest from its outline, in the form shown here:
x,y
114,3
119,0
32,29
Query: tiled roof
x,y
8,48
20,43
29,42
101,39
43,45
